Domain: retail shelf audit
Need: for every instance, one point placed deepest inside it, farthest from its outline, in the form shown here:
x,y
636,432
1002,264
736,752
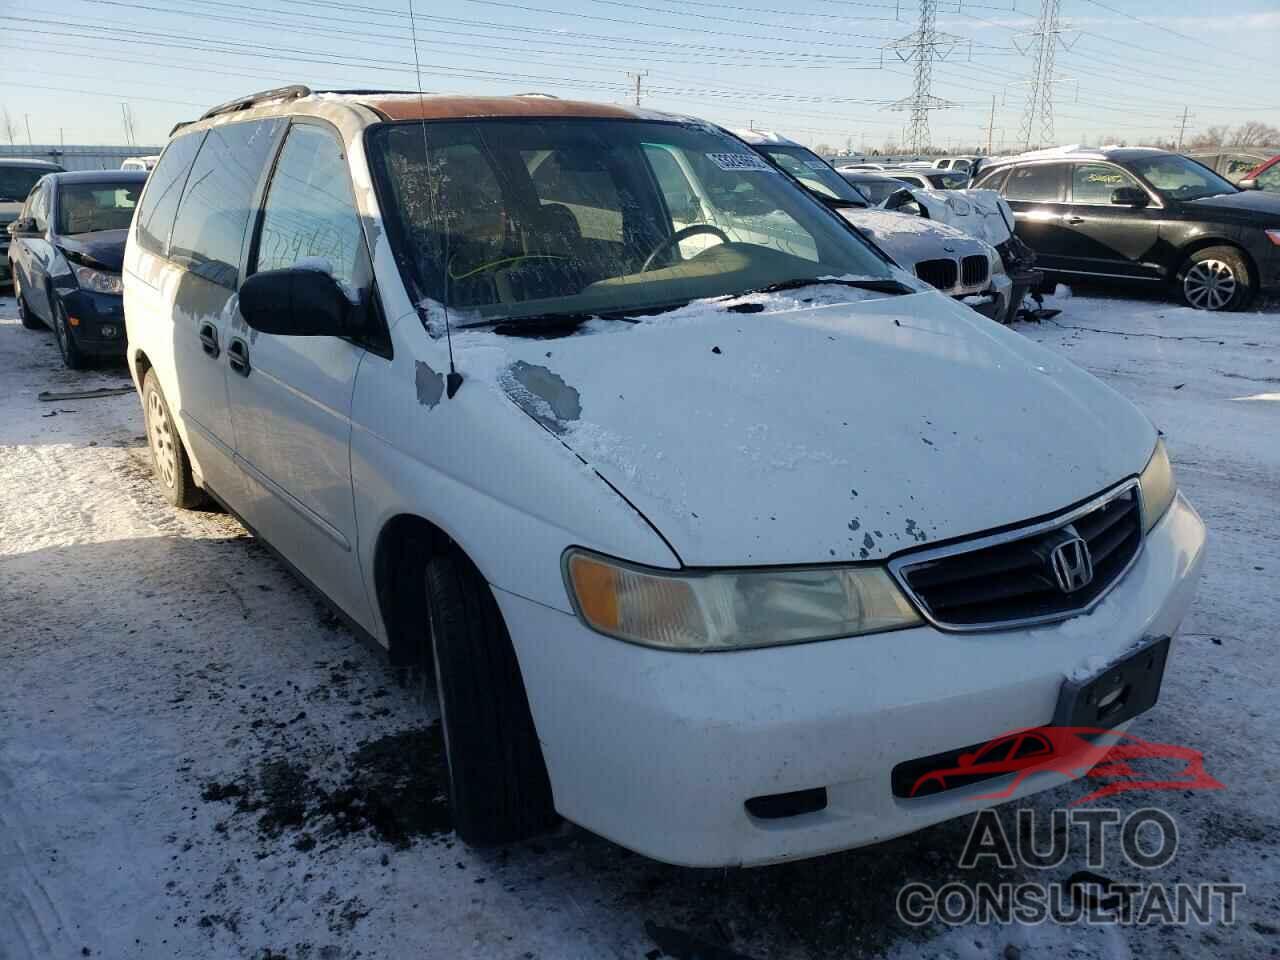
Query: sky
x,y
815,70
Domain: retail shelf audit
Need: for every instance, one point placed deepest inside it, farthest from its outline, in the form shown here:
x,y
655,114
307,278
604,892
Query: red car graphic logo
x,y
1094,752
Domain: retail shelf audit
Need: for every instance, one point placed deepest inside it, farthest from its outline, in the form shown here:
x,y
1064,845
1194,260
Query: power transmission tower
x,y
1182,127
1042,44
637,77
924,45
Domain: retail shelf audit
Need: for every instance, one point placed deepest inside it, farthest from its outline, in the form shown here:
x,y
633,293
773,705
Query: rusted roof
x,y
437,107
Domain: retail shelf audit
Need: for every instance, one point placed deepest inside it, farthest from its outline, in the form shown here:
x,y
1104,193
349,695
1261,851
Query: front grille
x,y
973,270
1008,580
937,273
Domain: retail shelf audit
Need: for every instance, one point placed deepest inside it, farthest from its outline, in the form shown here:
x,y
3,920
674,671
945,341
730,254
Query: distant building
x,y
74,157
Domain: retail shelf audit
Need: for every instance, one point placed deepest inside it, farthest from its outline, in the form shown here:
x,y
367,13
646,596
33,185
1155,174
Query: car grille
x,y
1007,580
937,273
973,270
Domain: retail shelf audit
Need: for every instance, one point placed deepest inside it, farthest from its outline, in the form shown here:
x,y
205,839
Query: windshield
x,y
16,182
90,207
814,172
876,190
1176,177
949,180
523,218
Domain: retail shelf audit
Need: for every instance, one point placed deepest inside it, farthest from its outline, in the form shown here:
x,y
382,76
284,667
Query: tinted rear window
x,y
1037,182
219,194
164,189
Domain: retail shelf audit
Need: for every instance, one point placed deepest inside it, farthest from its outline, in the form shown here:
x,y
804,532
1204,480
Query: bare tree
x,y
1255,133
8,129
1212,137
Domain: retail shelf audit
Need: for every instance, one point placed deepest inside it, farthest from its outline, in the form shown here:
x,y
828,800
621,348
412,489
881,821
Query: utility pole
x,y
991,124
925,45
637,77
1182,129
1042,45
26,118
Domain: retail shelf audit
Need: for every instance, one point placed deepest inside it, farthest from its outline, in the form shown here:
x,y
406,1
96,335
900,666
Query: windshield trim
x,y
393,225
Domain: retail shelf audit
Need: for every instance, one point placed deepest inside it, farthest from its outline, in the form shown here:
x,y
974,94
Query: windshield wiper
x,y
545,320
880,286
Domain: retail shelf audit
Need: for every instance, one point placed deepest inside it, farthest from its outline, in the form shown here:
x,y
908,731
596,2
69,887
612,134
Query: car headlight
x,y
1158,487
732,609
997,262
97,281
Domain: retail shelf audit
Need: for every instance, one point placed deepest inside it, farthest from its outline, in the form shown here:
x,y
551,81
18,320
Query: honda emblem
x,y
1072,565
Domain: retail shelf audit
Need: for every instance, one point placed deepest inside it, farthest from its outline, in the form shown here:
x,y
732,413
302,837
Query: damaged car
x,y
694,515
960,265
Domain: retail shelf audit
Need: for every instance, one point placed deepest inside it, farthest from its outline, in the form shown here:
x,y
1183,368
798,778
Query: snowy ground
x,y
197,760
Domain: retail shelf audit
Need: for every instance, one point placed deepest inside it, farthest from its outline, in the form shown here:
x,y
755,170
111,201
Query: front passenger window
x,y
1095,182
310,211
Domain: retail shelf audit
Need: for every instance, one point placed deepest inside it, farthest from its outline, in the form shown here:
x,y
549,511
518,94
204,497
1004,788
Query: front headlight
x,y
97,281
1158,487
732,609
997,262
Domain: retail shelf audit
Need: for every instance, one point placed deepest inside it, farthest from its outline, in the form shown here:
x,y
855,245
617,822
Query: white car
x,y
698,552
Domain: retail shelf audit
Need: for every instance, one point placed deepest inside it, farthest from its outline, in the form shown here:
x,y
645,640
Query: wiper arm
x,y
544,320
880,286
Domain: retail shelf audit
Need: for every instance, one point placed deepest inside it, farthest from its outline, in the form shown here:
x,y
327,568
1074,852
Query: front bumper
x,y
994,303
659,751
100,329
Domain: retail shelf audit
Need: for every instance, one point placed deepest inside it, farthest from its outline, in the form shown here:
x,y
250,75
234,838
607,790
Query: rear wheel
x,y
29,319
498,785
72,358
1216,278
169,458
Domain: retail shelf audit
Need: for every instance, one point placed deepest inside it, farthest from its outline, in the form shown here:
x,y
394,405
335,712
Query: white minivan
x,y
711,549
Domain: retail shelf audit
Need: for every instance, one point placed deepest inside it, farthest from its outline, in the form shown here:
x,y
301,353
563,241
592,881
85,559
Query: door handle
x,y
1073,220
238,356
209,339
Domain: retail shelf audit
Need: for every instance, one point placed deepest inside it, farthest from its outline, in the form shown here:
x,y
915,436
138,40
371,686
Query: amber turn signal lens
x,y
596,586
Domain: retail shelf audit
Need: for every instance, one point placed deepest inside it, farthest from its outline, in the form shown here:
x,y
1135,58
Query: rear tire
x,y
1216,278
499,790
72,358
29,319
169,458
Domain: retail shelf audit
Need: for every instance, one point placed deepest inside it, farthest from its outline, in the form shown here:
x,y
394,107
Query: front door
x,y
291,396
1108,238
36,253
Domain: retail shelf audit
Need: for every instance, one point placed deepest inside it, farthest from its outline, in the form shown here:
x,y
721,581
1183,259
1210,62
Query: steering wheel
x,y
675,238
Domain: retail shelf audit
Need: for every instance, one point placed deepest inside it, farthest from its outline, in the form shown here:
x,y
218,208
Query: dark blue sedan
x,y
66,250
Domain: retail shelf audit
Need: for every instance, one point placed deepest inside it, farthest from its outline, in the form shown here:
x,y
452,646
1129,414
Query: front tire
x,y
499,790
1216,278
169,458
29,319
72,358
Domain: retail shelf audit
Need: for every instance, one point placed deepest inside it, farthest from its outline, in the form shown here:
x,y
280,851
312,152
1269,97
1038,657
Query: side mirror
x,y
1248,183
298,302
22,227
1130,197
686,208
965,760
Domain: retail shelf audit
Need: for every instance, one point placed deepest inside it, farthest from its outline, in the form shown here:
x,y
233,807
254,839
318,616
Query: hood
x,y
815,434
910,239
983,214
104,248
1247,204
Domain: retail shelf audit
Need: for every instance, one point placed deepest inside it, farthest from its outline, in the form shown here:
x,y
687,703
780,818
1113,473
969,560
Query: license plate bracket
x,y
1118,693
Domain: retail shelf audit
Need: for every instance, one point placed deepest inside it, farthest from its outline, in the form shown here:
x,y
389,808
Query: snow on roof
x,y
758,137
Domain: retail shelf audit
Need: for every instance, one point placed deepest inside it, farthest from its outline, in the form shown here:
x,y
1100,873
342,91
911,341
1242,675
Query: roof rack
x,y
535,93
292,92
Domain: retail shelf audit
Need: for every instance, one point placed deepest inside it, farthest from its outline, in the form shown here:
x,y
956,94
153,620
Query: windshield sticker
x,y
738,161
815,164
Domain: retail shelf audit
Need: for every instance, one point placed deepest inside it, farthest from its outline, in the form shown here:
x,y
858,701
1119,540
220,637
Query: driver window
x,y
1095,182
310,211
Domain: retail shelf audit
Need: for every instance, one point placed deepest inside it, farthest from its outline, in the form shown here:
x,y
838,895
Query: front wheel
x,y
72,358
29,319
169,458
1216,278
498,786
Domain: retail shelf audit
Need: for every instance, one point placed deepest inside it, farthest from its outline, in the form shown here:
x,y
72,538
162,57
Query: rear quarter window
x,y
164,190
1040,182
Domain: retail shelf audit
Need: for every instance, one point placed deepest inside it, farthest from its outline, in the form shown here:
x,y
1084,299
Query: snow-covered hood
x,y
811,434
910,239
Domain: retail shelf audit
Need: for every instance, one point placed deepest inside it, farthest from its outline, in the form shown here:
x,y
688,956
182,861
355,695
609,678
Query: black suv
x,y
1143,214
